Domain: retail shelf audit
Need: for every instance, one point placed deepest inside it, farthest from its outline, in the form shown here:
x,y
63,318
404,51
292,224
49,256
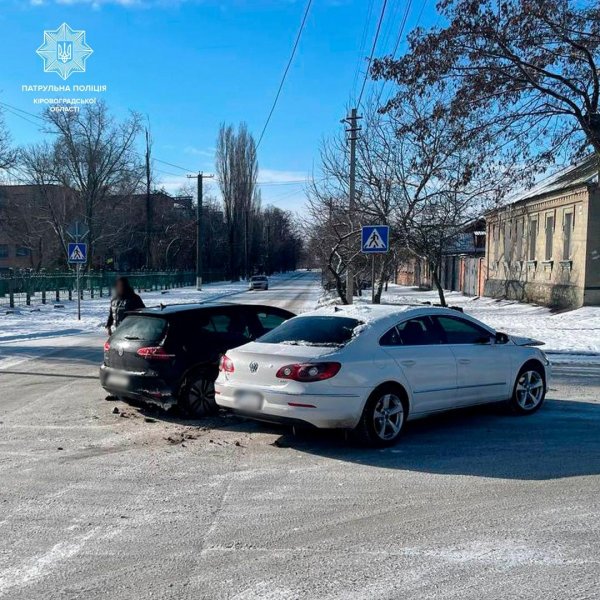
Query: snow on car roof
x,y
379,317
372,314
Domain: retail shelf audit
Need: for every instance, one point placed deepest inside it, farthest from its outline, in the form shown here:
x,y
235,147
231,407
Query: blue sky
x,y
190,65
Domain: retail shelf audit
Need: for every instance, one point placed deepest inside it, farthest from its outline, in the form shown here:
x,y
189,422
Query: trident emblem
x,y
64,51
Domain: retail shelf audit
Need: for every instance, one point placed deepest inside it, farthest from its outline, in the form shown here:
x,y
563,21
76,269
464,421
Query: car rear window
x,y
138,327
313,331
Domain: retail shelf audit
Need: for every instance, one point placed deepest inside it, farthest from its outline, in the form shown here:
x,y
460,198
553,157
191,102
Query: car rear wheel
x,y
197,397
529,390
382,419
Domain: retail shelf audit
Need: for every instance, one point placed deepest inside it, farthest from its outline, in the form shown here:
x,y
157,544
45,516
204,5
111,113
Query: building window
x,y
519,239
22,251
3,250
549,236
567,236
507,240
533,227
495,229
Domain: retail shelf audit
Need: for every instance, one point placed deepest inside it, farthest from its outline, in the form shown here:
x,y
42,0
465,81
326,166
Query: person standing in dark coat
x,y
124,300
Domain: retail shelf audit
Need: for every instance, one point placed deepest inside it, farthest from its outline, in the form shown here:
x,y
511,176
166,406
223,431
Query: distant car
x,y
170,355
258,282
371,368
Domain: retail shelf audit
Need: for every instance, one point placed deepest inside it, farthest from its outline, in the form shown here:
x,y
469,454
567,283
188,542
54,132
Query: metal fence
x,y
34,288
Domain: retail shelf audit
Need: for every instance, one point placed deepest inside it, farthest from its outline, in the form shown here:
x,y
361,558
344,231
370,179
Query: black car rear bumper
x,y
137,386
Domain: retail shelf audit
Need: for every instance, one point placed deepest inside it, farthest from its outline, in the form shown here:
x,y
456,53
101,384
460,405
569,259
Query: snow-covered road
x,y
41,329
136,504
53,319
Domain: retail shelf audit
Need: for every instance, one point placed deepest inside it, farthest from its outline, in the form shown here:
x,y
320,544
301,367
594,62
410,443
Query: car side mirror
x,y
501,338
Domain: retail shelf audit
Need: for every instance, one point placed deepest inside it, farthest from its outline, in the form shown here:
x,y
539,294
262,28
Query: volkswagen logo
x,y
120,352
253,366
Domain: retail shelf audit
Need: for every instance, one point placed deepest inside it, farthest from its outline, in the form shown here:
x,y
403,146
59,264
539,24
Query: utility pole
x,y
246,241
149,262
201,176
353,136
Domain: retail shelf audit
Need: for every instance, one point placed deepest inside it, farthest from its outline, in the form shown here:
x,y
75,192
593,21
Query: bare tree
x,y
95,156
237,171
55,205
527,68
422,171
8,154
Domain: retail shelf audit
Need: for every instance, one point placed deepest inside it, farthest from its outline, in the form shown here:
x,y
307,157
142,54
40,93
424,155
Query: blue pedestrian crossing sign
x,y
77,253
375,239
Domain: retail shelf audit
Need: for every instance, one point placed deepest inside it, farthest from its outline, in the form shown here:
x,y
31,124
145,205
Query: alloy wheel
x,y
388,417
529,390
201,396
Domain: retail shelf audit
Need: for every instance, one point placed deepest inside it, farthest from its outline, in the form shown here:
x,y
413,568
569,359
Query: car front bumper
x,y
137,386
331,410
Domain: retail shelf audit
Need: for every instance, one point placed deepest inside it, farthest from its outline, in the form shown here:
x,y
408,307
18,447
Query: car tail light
x,y
155,353
309,371
106,346
226,364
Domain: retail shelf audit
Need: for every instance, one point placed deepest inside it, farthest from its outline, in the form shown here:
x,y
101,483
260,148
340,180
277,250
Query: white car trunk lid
x,y
257,364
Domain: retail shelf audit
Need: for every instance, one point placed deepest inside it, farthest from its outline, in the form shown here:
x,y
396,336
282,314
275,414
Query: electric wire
x,y
364,83
287,68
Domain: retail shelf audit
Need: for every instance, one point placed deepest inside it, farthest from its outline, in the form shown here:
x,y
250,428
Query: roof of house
x,y
582,173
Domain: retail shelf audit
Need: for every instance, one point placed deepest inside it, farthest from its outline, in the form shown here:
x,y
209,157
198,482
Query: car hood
x,y
525,341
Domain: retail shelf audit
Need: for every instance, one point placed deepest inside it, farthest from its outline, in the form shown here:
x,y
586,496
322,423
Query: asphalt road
x,y
136,505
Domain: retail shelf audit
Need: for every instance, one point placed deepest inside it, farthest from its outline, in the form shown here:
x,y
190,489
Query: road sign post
x,y
77,255
375,239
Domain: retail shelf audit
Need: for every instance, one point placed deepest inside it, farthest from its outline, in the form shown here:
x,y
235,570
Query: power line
x,y
363,41
364,83
12,110
399,38
164,162
291,182
287,68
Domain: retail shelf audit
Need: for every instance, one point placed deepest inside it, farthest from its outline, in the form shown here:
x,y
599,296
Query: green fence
x,y
27,289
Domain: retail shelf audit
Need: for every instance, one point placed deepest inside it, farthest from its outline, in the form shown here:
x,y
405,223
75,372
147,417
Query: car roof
x,y
386,315
172,309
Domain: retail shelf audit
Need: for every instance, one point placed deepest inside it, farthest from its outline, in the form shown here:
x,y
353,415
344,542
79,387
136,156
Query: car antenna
x,y
162,306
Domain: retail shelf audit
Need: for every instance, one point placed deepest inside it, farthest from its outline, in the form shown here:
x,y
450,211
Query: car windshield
x,y
138,327
259,278
313,331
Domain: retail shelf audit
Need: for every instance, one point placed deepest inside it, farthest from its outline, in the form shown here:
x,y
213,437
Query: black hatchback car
x,y
170,354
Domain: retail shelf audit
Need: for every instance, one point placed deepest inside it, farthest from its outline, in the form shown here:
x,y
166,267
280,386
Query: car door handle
x,y
464,361
409,363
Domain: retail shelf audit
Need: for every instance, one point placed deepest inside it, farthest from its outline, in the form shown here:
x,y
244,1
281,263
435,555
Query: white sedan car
x,y
371,368
258,282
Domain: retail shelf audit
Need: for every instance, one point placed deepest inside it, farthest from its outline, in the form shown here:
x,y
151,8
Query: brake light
x,y
309,371
155,353
226,364
106,346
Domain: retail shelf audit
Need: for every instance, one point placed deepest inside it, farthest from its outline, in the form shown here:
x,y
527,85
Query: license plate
x,y
118,380
248,401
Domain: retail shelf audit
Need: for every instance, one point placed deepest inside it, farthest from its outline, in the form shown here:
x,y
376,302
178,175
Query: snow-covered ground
x,y
568,335
44,320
